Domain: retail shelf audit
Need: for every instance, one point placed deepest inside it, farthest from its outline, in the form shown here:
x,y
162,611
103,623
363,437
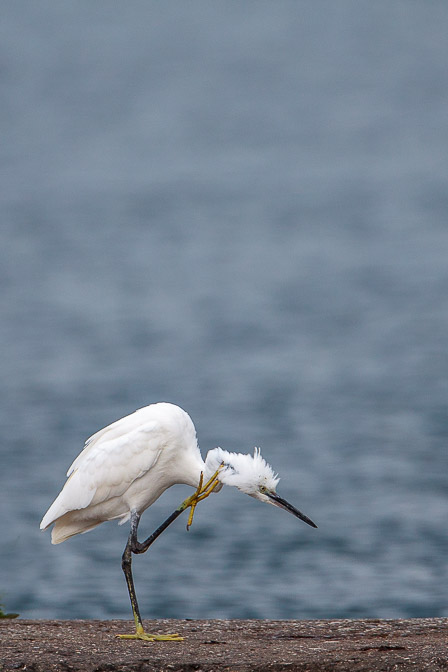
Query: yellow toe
x,y
151,637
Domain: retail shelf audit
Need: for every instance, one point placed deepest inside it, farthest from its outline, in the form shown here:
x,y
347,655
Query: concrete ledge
x,y
233,646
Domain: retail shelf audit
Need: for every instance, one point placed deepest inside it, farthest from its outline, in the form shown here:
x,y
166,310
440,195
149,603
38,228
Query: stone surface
x,y
233,646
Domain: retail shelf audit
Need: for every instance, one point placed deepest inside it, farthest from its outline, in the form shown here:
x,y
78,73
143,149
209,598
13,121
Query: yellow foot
x,y
201,493
150,637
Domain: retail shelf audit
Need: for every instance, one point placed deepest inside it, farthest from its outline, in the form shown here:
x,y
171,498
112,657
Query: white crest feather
x,y
246,472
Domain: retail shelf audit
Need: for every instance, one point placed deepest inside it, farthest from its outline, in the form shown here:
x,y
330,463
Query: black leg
x,y
143,547
134,546
126,564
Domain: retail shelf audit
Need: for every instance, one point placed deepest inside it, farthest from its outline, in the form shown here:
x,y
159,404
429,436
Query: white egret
x,y
127,465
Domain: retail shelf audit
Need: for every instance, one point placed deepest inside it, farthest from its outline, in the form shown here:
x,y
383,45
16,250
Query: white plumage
x,y
126,466
249,473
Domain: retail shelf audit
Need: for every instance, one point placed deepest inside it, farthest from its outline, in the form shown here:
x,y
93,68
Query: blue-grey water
x,y
241,208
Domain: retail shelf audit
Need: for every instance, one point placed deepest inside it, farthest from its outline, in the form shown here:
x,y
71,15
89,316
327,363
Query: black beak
x,y
283,504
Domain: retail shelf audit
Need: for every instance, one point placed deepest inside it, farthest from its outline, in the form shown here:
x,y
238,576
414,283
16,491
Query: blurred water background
x,y
242,208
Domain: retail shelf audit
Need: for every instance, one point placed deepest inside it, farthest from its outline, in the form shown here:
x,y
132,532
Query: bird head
x,y
250,474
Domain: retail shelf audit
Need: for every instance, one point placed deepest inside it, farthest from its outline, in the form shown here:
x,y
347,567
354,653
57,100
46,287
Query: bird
x,y
126,466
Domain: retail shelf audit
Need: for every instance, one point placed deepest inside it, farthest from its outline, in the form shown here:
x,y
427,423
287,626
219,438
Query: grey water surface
x,y
241,208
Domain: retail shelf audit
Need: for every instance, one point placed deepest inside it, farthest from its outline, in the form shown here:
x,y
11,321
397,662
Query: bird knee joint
x,y
126,560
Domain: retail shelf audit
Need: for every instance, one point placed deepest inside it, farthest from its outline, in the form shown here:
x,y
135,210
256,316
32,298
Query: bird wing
x,y
113,459
119,428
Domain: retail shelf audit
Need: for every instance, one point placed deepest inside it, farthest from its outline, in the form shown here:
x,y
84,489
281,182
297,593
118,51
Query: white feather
x,y
248,473
126,466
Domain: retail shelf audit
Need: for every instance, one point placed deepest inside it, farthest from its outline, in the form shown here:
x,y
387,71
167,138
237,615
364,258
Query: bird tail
x,y
79,522
68,525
